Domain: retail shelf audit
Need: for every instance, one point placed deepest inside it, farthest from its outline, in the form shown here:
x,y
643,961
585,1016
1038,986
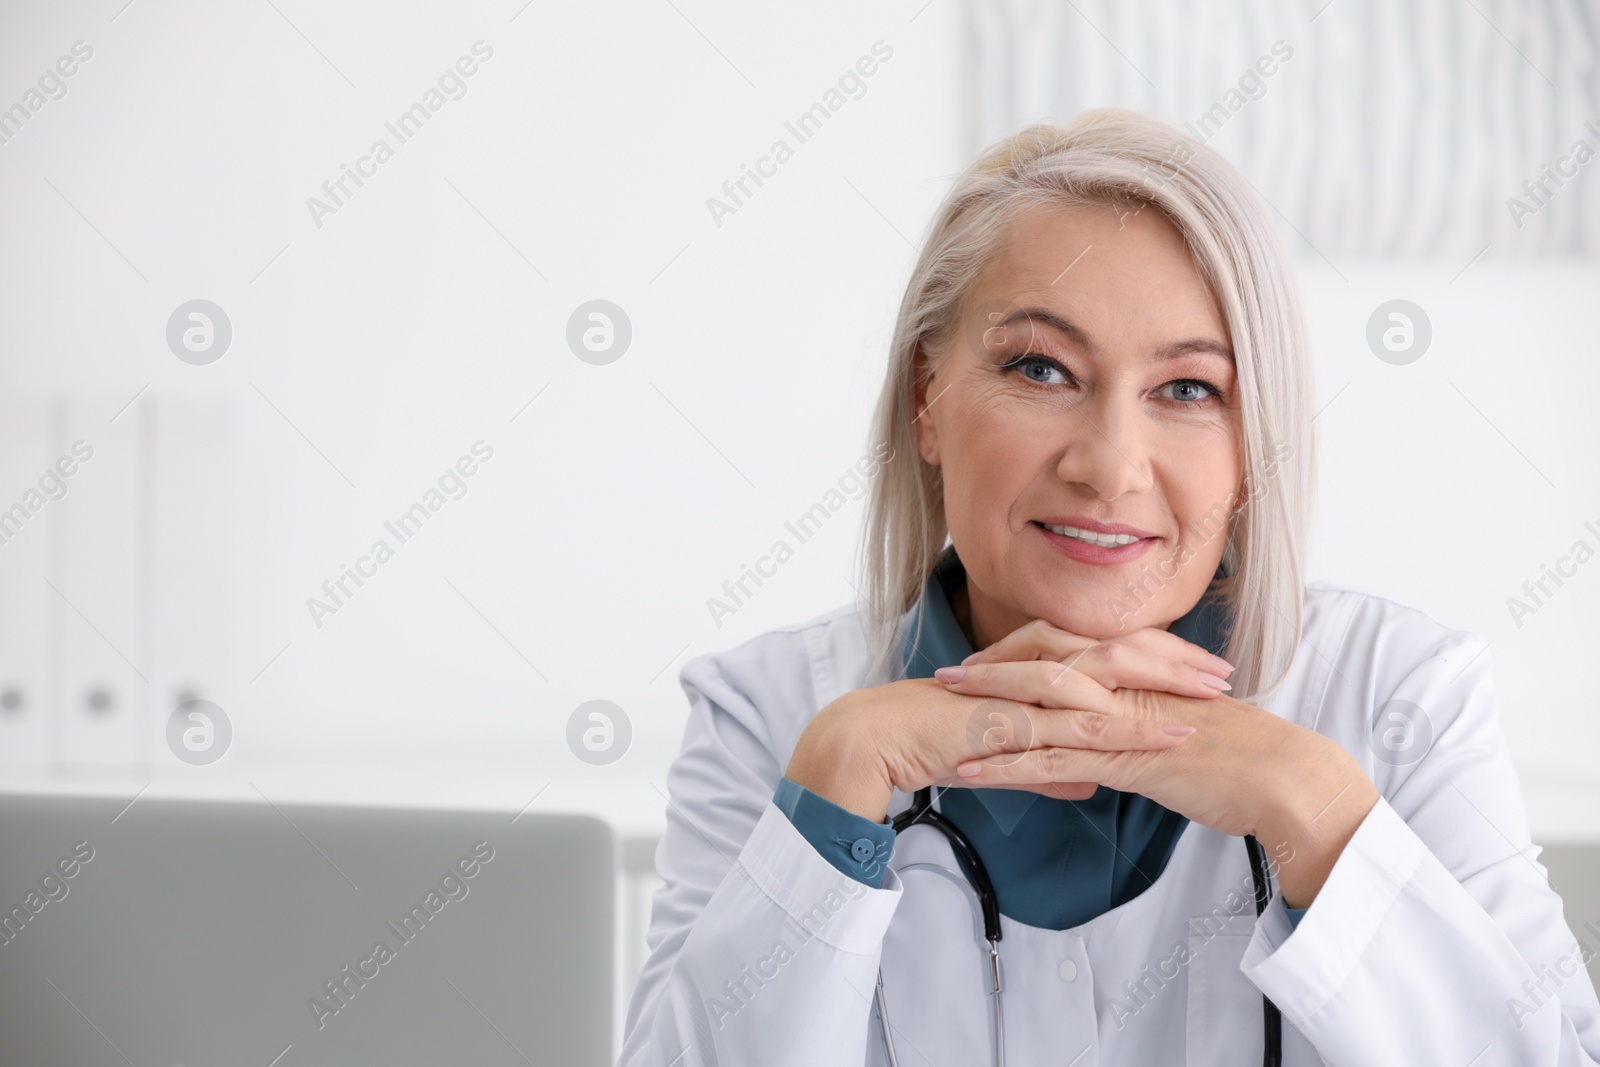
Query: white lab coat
x,y
1436,939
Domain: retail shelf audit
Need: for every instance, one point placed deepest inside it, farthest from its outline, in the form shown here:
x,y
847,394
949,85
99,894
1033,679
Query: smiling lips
x,y
1088,541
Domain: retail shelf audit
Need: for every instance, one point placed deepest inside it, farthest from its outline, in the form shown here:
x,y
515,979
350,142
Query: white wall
x,y
372,351
1448,483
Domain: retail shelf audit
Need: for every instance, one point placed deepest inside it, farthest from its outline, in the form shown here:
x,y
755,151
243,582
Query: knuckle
x,y
1048,672
1093,725
1104,663
1053,761
1029,638
1144,703
1113,659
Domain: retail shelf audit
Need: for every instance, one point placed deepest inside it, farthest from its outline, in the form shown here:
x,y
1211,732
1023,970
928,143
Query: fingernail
x,y
970,770
1220,684
950,674
970,658
1223,666
1177,729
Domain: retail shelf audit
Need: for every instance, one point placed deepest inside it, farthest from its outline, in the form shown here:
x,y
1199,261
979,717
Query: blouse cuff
x,y
854,844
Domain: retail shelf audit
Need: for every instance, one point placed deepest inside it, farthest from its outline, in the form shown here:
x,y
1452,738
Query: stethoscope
x,y
922,813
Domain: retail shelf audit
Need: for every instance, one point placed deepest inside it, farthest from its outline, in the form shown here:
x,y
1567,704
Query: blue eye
x,y
1188,391
1038,368
1043,370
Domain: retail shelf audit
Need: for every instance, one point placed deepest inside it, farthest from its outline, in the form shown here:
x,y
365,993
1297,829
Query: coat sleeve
x,y
1437,937
760,950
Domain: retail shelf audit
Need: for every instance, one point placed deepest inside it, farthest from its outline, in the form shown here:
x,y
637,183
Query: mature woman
x,y
1095,450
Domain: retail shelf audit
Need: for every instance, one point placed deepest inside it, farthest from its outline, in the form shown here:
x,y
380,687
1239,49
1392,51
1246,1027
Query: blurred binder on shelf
x,y
99,579
27,536
192,497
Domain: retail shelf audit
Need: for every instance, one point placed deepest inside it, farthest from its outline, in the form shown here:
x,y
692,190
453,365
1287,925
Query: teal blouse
x,y
1054,863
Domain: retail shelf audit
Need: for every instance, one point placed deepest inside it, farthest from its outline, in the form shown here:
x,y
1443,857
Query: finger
x,y
1055,790
1042,640
1043,682
1040,766
1065,729
1065,790
1036,640
1166,643
1111,666
1120,666
1006,729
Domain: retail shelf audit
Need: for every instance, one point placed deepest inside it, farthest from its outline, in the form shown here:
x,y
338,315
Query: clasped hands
x,y
1221,762
1144,713
1059,714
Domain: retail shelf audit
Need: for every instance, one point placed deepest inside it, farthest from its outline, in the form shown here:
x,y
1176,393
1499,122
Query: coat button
x,y
1068,970
862,850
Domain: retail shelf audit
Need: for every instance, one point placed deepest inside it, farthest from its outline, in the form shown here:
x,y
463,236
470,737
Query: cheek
x,y
991,462
984,474
1204,489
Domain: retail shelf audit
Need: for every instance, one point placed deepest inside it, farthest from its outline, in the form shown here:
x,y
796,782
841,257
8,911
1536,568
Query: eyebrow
x,y
1170,350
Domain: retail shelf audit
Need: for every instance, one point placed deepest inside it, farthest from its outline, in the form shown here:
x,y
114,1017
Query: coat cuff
x,y
835,908
1301,974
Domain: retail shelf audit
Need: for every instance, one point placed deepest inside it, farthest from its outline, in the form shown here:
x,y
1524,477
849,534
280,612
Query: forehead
x,y
1120,272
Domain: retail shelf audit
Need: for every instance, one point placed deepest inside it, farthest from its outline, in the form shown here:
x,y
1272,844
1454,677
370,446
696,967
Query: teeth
x,y
1103,540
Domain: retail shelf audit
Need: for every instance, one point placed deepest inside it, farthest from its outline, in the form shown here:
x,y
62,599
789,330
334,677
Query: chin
x,y
1101,621
1099,624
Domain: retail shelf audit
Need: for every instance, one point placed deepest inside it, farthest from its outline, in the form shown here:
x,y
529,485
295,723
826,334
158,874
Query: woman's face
x,y
1090,385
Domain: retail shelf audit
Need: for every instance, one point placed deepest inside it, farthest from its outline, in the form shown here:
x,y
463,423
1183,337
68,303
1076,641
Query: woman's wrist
x,y
837,759
1315,813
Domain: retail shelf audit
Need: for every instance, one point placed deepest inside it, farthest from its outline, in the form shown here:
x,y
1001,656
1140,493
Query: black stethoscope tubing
x,y
922,813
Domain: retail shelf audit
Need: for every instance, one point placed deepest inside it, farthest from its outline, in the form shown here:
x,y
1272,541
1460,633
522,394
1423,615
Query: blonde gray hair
x,y
1123,158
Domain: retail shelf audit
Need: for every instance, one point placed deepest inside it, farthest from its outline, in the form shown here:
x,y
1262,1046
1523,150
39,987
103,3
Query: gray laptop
x,y
1575,874
198,933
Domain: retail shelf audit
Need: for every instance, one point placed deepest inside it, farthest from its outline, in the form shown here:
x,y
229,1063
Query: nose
x,y
1107,448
